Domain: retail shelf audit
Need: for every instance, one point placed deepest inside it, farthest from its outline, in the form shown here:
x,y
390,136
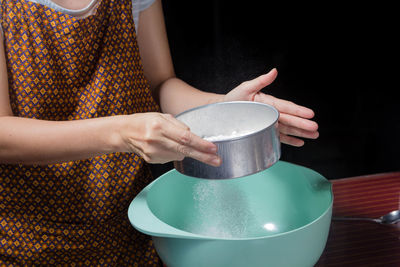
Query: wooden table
x,y
361,243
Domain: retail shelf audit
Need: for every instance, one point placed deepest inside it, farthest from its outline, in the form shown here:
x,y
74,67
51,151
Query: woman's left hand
x,y
294,120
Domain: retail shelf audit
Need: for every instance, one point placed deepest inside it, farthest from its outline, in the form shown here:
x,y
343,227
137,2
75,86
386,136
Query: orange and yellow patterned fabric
x,y
63,68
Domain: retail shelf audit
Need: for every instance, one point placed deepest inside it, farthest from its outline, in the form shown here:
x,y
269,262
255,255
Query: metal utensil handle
x,y
355,219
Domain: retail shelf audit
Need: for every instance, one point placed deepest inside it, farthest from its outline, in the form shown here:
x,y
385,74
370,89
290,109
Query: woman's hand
x,y
160,138
294,120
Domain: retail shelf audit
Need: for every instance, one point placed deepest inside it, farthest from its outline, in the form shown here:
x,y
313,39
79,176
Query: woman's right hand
x,y
160,138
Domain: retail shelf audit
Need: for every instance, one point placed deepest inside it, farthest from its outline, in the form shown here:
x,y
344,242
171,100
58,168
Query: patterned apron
x,y
62,68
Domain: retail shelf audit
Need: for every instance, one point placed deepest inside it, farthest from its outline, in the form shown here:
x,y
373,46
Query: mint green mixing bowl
x,y
277,217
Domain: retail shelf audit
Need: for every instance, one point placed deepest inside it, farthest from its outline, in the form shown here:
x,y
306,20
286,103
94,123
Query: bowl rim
x,y
179,233
277,113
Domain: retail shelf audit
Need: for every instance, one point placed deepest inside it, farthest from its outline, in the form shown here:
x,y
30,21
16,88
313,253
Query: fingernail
x,y
213,149
216,161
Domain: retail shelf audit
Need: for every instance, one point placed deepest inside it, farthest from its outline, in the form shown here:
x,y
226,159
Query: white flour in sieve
x,y
221,209
220,137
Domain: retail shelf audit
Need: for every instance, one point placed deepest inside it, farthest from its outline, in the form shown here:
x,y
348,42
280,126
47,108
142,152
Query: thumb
x,y
255,85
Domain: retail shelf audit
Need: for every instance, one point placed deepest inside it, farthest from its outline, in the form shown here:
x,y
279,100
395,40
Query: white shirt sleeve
x,y
137,7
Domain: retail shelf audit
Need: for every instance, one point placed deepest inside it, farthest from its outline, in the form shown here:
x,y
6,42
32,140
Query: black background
x,y
337,59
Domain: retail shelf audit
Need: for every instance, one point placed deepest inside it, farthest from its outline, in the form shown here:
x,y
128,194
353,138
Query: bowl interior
x,y
226,119
280,199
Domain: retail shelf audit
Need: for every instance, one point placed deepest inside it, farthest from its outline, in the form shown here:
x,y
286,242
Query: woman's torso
x,y
64,68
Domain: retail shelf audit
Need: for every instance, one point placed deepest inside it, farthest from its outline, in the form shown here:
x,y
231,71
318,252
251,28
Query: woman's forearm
x,y
31,141
156,137
176,96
